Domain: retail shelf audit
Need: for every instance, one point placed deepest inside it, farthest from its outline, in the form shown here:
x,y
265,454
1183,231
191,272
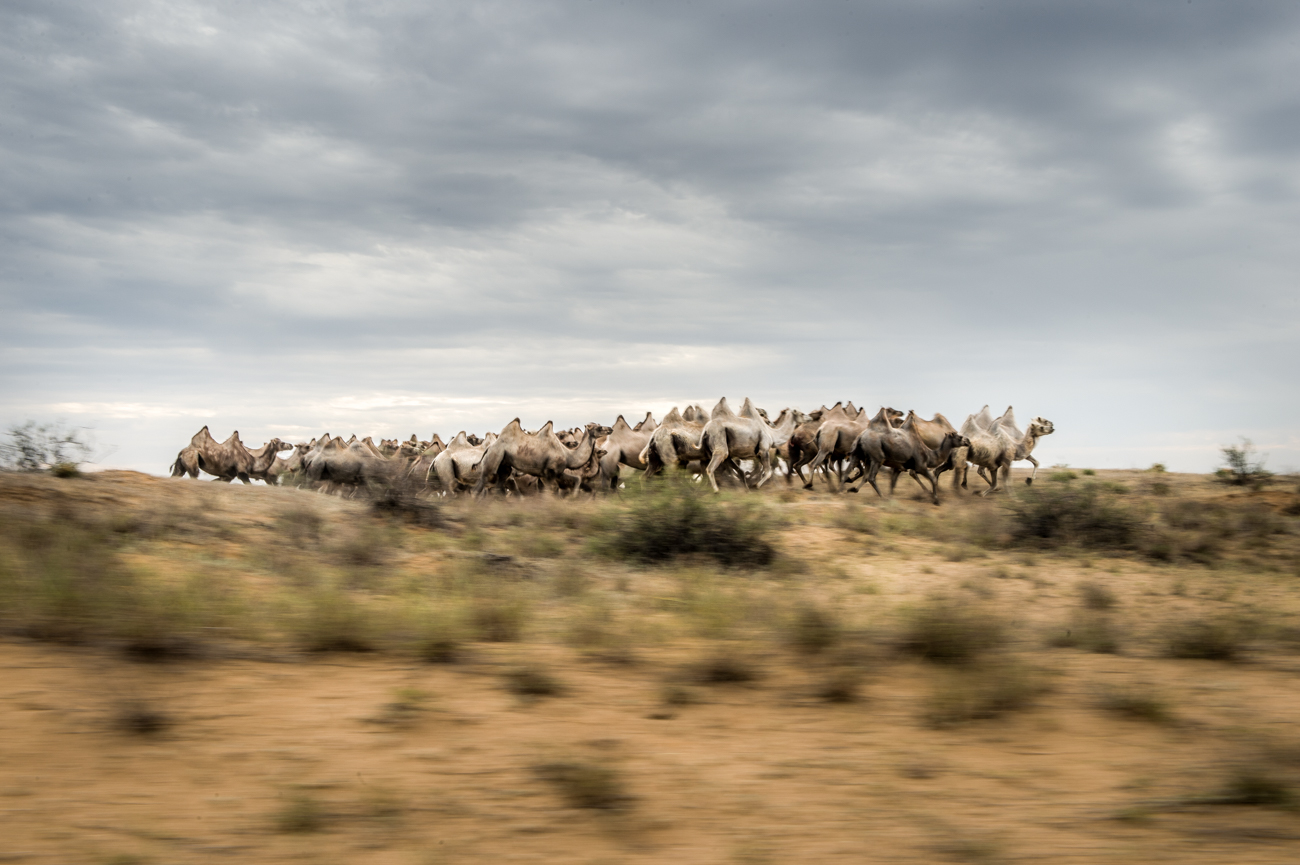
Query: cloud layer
x,y
387,217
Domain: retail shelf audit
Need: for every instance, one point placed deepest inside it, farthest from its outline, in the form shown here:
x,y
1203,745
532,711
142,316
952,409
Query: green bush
x,y
674,517
1085,515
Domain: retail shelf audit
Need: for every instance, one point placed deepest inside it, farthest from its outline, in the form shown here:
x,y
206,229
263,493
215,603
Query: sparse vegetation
x,y
814,630
1212,639
34,447
947,632
1140,703
300,814
986,690
1085,515
532,681
672,518
1243,467
585,784
1096,596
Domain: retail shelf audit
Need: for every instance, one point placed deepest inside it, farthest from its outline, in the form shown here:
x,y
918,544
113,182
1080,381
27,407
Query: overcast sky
x,y
396,217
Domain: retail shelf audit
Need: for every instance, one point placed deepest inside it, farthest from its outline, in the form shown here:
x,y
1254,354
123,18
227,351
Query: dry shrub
x,y
332,620
1092,633
725,668
1085,515
841,685
814,630
945,631
301,814
1255,783
584,784
673,517
1140,703
1096,596
1216,639
141,719
983,691
532,681
500,619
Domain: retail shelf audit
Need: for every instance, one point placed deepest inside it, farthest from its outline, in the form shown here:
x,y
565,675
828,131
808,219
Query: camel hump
x,y
722,409
621,424
548,428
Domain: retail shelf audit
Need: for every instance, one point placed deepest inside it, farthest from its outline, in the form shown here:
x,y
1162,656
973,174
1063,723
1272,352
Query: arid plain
x,y
1102,667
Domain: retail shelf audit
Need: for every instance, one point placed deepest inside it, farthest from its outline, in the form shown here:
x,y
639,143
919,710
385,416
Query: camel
x,y
283,467
903,449
540,454
335,463
992,450
623,446
670,442
226,460
264,458
836,437
742,436
1038,427
454,465
801,447
421,465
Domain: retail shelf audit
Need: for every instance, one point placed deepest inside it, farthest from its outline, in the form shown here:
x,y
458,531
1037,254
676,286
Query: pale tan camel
x,y
742,436
540,454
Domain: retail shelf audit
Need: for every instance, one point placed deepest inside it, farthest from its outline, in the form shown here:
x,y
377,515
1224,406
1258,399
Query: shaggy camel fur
x,y
623,446
540,454
836,437
903,449
225,460
742,436
453,468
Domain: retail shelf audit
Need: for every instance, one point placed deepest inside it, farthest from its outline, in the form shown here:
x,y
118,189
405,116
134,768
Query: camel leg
x,y
871,477
934,484
893,479
718,458
992,482
1029,480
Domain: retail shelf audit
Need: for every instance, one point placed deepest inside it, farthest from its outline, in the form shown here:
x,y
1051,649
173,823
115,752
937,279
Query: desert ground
x,y
1099,668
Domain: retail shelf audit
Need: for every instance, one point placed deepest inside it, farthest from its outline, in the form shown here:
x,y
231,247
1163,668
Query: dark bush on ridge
x,y
674,518
1086,516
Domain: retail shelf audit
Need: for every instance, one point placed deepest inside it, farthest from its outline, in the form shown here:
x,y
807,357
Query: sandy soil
x,y
409,762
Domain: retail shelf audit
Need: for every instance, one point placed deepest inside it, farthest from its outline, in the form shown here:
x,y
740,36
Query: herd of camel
x,y
843,443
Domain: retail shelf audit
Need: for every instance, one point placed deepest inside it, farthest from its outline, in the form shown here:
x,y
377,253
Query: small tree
x,y
34,447
1242,466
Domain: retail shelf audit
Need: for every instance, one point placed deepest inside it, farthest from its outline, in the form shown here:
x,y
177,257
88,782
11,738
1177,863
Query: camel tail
x,y
178,470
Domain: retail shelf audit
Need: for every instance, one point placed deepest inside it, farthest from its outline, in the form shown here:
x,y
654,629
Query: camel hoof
x,y
1029,481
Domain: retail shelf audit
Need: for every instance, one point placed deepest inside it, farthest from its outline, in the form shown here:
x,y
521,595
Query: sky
x,y
401,217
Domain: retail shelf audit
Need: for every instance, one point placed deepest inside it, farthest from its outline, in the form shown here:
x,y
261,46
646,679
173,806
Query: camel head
x,y
1041,426
599,430
894,416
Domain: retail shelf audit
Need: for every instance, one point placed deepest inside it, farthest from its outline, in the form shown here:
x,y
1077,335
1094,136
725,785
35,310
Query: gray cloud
x,y
308,215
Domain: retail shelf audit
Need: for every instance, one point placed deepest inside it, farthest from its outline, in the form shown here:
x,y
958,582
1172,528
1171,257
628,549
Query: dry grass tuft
x,y
585,784
1220,639
532,681
301,814
1139,703
983,691
945,631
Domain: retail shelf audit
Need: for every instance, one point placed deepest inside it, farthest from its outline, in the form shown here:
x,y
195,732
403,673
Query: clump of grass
x,y
1255,784
1221,639
1084,515
983,691
725,669
532,681
840,686
300,526
301,814
1090,633
814,630
365,547
677,695
335,621
141,719
1142,704
584,784
672,518
407,705
946,632
1096,596
855,518
500,619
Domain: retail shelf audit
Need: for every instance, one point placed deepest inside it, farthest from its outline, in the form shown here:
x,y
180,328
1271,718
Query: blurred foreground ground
x,y
196,673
